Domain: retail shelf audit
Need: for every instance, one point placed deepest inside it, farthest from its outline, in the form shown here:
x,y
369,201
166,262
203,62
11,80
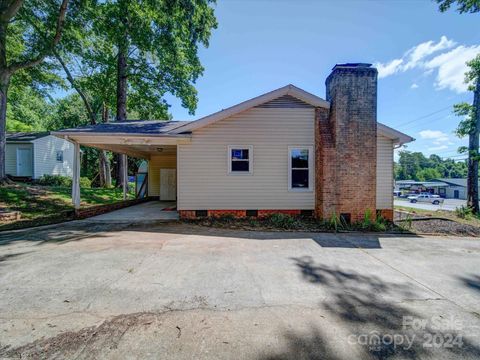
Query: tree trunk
x,y
4,83
105,171
121,100
473,154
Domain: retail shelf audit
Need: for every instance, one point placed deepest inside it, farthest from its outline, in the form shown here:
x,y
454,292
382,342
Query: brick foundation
x,y
387,214
191,214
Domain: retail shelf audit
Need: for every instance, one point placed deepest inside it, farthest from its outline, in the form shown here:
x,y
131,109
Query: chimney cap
x,y
352,65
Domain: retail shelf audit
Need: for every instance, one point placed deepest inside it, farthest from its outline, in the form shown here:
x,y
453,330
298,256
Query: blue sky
x,y
261,45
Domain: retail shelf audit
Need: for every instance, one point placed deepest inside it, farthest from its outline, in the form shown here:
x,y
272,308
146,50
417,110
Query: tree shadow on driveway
x,y
379,318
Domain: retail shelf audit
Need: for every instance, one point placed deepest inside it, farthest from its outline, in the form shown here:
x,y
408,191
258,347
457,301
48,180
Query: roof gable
x,y
289,90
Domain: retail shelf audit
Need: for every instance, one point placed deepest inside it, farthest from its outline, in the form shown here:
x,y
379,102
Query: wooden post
x,y
76,176
125,175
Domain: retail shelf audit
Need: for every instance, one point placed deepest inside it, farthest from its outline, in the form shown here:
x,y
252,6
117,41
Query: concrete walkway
x,y
149,211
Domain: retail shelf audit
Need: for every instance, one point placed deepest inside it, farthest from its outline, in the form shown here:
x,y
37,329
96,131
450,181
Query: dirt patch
x,y
88,342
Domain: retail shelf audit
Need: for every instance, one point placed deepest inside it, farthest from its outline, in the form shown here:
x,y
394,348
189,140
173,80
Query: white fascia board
x,y
398,137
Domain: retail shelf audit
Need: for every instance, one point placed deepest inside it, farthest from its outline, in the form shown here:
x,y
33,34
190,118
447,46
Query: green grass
x,y
35,201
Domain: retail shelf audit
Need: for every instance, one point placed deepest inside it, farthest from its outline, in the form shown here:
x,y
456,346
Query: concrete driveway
x,y
173,291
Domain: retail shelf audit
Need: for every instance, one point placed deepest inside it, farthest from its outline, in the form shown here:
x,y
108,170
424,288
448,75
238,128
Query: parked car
x,y
428,198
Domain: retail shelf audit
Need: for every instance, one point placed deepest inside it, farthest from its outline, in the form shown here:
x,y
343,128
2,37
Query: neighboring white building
x,y
33,154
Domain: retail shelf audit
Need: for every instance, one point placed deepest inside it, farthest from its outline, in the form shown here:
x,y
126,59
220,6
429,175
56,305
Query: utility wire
x,y
424,116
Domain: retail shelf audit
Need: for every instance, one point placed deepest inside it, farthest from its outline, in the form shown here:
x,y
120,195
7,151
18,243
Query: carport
x,y
148,140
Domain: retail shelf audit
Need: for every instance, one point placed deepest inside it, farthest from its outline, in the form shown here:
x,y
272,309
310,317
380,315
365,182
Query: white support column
x,y
76,176
125,176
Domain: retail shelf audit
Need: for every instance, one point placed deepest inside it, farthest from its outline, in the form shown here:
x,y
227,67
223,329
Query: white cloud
x,y
423,50
436,148
450,66
391,68
414,86
433,134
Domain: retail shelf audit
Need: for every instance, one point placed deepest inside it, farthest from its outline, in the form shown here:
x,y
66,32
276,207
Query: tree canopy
x,y
415,166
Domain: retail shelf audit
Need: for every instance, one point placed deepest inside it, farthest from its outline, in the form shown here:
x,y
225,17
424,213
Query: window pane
x,y
300,158
300,179
240,166
240,154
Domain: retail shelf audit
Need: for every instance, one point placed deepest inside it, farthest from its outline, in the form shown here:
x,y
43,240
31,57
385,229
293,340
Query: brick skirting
x,y
387,214
191,214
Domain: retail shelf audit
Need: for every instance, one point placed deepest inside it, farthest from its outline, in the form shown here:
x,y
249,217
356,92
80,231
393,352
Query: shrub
x,y
63,181
464,212
85,182
54,180
282,221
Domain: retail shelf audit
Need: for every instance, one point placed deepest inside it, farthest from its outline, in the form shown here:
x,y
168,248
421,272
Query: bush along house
x,y
286,151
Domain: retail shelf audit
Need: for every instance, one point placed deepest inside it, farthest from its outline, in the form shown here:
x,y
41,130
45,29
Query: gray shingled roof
x,y
456,182
142,127
25,136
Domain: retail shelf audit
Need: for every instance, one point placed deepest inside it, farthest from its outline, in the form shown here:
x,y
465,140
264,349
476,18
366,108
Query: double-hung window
x,y
240,159
300,168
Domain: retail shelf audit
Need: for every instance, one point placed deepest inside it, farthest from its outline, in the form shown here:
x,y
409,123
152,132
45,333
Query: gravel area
x,y
442,226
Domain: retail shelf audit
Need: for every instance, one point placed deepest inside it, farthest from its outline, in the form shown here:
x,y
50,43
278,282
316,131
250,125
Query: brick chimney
x,y
346,144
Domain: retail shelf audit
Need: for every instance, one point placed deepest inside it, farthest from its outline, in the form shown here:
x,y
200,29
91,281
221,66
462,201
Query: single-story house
x,y
33,154
456,189
286,151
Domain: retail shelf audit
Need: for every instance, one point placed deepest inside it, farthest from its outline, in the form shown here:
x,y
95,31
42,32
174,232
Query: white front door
x,y
168,184
24,162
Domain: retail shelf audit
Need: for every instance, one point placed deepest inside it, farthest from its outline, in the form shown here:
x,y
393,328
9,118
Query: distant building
x,y
33,154
446,188
457,188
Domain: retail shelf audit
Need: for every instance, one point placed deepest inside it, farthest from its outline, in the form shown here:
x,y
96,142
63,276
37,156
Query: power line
x,y
424,116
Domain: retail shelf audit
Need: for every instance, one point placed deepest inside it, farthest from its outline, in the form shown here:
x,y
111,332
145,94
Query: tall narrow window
x,y
240,159
300,169
60,155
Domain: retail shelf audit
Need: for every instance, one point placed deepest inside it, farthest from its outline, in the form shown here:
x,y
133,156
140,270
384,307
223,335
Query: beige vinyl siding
x,y
384,173
156,163
11,157
203,179
45,157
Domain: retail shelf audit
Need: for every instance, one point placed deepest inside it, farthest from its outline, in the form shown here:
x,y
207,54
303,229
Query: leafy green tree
x,y
463,6
471,124
25,50
428,174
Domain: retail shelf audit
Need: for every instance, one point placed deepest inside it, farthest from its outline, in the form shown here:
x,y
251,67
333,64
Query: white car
x,y
428,198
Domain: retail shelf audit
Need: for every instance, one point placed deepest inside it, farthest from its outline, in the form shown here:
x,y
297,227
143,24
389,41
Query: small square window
x,y
60,155
240,159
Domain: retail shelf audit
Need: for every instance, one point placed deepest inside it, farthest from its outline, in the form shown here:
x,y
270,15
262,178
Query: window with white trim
x,y
60,155
300,168
240,159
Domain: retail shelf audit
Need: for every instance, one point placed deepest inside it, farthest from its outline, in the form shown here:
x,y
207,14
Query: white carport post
x,y
76,176
124,175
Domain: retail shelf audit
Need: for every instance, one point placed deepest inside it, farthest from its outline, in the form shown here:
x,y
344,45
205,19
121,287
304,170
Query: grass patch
x,y
50,204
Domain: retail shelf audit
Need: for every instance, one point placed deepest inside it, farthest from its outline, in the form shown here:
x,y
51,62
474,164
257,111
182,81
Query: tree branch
x,y
74,84
8,11
49,49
